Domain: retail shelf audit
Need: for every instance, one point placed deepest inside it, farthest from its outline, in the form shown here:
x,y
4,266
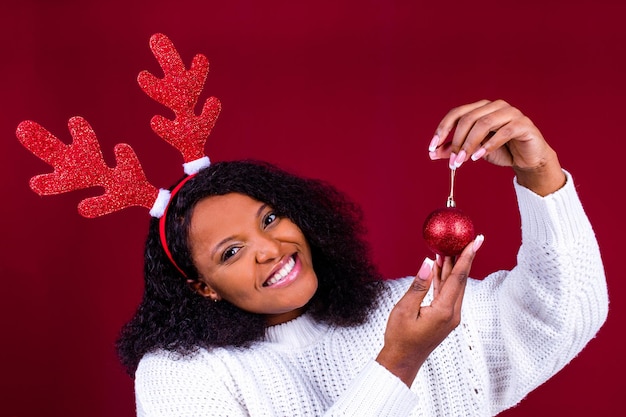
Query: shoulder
x,y
167,383
170,374
171,368
163,363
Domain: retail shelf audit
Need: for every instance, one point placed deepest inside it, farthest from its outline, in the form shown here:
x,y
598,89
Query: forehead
x,y
219,214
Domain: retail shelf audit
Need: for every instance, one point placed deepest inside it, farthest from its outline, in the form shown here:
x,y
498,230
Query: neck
x,y
274,319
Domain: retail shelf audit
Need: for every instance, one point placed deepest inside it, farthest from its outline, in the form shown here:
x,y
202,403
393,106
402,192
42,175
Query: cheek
x,y
295,236
233,281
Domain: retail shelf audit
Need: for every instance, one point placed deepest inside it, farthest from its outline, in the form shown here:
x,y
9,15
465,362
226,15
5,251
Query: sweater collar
x,y
299,332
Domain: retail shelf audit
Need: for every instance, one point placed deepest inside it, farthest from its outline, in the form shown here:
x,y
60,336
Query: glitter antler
x,y
179,90
81,165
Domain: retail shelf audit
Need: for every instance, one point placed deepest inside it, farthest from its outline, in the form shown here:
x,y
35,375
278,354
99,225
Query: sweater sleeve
x,y
375,392
532,320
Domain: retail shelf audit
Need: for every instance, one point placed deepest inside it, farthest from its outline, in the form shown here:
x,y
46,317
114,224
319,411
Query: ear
x,y
203,289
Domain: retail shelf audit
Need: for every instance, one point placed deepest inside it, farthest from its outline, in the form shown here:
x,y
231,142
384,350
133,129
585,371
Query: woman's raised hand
x,y
503,135
414,331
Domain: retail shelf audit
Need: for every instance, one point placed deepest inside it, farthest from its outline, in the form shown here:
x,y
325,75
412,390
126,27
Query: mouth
x,y
286,274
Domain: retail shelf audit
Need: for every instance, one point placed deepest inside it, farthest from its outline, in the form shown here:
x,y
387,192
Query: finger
x,y
453,286
437,147
441,152
437,274
475,245
491,131
518,128
447,263
450,120
447,266
474,126
419,287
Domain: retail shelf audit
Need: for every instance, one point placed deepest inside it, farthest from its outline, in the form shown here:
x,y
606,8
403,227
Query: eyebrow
x,y
223,241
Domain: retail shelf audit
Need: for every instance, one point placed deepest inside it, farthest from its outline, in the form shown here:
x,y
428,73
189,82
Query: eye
x,y
229,253
270,218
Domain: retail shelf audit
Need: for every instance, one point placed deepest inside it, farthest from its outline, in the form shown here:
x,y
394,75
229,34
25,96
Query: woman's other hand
x,y
503,135
414,331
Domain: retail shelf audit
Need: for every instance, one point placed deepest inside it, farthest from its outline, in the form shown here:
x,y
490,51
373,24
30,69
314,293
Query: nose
x,y
268,249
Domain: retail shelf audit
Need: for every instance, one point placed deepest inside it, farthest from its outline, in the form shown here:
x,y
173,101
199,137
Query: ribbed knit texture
x,y
518,328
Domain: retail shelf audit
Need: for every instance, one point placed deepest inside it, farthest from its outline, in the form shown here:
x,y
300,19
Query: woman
x,y
271,306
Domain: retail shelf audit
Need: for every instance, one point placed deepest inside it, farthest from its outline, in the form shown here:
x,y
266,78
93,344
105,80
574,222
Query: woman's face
x,y
249,256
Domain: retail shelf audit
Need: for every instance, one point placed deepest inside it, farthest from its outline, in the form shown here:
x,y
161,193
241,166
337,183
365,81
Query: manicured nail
x,y
452,160
439,260
433,144
478,242
460,158
479,154
425,269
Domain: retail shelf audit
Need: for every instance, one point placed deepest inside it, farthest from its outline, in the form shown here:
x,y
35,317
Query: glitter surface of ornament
x,y
448,230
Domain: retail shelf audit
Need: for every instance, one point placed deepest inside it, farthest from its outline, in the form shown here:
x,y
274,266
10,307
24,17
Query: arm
x,y
502,135
375,392
531,321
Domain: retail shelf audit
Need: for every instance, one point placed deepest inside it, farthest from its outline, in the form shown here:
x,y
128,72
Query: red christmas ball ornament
x,y
448,230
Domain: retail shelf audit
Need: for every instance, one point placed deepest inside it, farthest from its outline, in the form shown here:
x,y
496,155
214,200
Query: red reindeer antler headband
x,y
81,164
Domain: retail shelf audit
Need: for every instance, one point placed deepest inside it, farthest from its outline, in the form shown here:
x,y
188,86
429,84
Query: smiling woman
x,y
235,227
261,298
268,303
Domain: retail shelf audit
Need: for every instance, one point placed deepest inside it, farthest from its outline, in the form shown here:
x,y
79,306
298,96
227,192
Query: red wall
x,y
349,91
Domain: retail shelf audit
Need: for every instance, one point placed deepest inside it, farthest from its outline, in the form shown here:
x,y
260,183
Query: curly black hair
x,y
174,317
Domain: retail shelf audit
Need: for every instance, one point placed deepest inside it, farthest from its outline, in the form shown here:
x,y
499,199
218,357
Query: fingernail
x,y
479,154
425,269
478,242
460,158
452,160
439,260
433,144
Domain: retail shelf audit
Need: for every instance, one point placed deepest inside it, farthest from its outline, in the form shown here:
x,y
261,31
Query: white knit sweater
x,y
518,328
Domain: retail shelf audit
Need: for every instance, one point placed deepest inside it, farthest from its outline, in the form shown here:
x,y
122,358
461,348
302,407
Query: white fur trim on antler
x,y
160,204
193,167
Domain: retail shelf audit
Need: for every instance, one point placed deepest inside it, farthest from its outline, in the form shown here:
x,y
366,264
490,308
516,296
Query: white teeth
x,y
281,273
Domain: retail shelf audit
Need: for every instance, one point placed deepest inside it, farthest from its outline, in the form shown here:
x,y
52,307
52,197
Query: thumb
x,y
421,284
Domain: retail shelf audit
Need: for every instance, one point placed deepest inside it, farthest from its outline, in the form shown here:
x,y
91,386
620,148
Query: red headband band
x,y
162,221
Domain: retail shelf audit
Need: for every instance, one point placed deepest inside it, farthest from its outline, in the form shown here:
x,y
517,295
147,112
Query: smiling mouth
x,y
282,273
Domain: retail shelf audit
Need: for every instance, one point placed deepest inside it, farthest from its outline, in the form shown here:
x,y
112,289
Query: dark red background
x,y
348,91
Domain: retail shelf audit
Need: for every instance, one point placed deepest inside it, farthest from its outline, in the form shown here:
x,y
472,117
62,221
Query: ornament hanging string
x,y
451,202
